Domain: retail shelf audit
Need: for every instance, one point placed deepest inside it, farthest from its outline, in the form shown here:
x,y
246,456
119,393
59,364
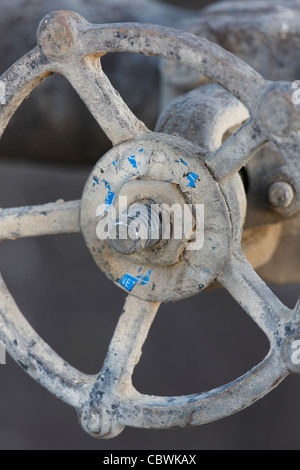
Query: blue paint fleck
x,y
110,197
132,161
145,279
192,177
181,161
141,150
115,162
213,247
128,281
95,180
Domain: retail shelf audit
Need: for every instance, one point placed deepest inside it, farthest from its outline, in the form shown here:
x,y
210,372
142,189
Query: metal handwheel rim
x,y
107,402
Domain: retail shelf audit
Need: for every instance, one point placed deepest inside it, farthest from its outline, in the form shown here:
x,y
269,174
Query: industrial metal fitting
x,y
280,194
137,229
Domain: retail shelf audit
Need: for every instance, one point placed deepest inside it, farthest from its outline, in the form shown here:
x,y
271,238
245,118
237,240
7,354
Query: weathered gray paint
x,y
108,401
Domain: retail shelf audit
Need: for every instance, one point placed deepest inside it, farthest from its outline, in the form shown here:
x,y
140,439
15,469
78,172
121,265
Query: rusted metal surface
x,y
106,402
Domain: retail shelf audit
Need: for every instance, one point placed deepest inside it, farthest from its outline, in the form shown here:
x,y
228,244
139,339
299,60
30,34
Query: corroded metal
x,y
106,402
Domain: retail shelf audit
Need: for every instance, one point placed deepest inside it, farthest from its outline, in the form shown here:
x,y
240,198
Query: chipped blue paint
x,y
128,281
141,150
192,177
110,197
145,279
181,161
115,162
213,247
132,160
95,180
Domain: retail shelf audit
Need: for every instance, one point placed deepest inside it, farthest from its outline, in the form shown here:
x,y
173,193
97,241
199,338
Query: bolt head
x,y
280,194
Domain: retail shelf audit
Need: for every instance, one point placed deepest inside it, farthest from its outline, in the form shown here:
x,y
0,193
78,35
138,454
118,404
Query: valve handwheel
x,y
149,166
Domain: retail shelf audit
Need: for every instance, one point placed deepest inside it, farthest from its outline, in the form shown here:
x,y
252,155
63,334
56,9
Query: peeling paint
x,y
95,181
128,281
145,279
110,197
192,177
182,161
132,161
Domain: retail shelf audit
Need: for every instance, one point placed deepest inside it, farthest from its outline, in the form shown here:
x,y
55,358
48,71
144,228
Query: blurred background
x,y
194,345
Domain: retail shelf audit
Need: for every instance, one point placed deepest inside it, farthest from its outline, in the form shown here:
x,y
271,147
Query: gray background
x,y
194,345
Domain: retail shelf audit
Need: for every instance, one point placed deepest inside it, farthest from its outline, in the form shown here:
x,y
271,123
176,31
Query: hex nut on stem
x,y
139,237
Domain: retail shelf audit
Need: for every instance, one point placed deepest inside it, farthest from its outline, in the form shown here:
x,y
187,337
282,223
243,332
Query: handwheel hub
x,y
164,175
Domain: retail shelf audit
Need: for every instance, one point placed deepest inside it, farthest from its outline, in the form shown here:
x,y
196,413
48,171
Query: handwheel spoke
x,y
104,102
46,219
126,345
99,415
236,151
254,296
